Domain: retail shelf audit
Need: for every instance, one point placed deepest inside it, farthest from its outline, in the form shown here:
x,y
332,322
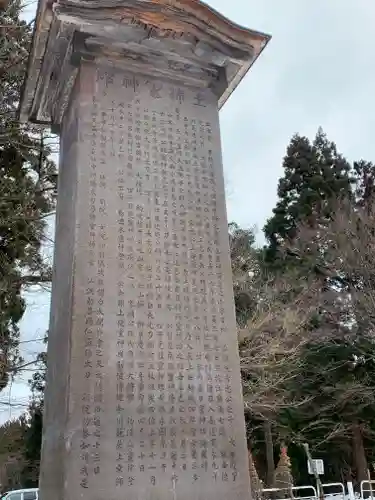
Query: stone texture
x,y
283,478
183,40
144,393
143,396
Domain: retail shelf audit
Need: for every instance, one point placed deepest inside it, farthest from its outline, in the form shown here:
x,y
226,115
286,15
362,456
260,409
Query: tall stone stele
x,y
143,396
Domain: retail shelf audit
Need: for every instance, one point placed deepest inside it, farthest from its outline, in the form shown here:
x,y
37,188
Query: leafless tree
x,y
334,282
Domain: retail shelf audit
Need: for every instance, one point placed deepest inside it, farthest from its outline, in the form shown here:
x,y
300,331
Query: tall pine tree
x,y
314,175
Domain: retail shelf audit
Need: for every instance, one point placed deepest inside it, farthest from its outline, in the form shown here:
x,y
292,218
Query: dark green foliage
x,y
26,189
314,175
32,447
33,433
340,375
244,260
337,378
330,386
11,454
38,381
27,185
364,173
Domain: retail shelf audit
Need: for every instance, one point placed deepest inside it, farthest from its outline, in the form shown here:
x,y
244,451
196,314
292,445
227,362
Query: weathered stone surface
x,y
184,40
144,396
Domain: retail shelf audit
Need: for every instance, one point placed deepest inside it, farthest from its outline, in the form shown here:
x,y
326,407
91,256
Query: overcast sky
x,y
318,70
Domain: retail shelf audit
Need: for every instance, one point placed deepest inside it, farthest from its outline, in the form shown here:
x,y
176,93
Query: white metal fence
x,y
334,491
367,489
295,493
330,491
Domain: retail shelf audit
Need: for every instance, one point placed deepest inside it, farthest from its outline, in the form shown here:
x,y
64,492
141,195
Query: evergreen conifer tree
x,y
314,175
27,177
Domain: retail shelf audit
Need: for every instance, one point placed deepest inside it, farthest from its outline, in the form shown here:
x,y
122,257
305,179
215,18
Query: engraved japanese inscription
x,y
156,407
143,395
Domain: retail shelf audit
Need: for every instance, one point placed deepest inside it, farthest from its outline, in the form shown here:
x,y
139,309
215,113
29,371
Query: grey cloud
x,y
319,69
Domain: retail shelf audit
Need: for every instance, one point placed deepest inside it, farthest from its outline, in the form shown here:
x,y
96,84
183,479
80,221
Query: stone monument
x,y
143,397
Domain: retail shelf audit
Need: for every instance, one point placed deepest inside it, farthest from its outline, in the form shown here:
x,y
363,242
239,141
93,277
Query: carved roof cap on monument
x,y
180,40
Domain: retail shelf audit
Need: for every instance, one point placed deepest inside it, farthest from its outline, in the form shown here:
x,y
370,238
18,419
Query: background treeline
x,y
306,308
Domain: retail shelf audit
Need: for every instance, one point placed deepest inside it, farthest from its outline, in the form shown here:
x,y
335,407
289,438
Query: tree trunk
x,y
267,429
3,5
359,456
256,485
